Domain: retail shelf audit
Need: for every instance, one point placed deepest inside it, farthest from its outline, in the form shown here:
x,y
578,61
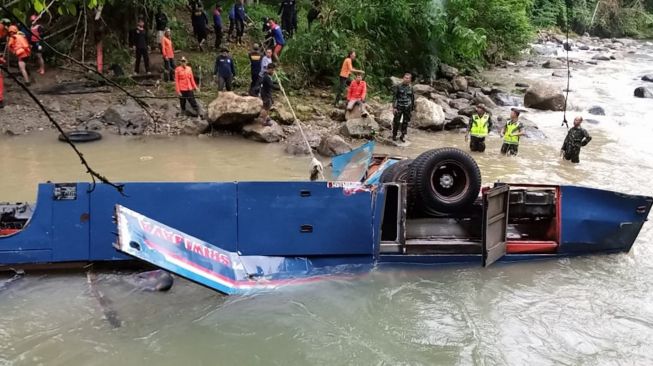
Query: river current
x,y
595,310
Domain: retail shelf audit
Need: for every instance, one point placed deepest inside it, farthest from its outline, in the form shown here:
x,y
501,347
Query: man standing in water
x,y
403,103
511,133
478,129
577,137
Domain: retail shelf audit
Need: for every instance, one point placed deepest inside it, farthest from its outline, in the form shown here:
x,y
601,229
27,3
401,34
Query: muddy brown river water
x,y
594,310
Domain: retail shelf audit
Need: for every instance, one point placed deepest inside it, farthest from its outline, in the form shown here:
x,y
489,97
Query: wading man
x,y
403,104
511,133
478,129
185,86
577,137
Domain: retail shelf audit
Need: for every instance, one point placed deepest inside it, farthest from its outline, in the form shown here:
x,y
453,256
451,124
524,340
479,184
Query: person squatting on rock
x,y
356,95
37,32
19,46
478,129
511,133
267,85
577,137
345,71
185,86
288,14
139,42
168,56
403,104
224,70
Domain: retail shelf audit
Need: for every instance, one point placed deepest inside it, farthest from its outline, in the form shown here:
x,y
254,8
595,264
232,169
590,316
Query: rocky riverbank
x,y
443,104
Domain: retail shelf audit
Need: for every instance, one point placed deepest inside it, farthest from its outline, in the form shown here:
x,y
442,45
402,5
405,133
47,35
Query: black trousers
x,y
240,28
341,88
402,117
169,64
254,86
509,149
572,154
142,53
477,143
218,38
232,25
225,82
287,23
189,96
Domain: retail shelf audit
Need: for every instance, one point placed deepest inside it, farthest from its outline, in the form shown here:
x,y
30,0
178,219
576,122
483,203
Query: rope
x,y
567,47
316,165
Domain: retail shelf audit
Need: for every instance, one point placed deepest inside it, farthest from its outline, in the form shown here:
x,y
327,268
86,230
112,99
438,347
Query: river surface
x,y
580,311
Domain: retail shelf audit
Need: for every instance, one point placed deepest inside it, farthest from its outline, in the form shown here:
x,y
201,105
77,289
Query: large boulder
x,y
457,122
128,117
459,83
506,100
481,98
467,111
553,64
544,97
443,85
385,117
281,114
648,78
193,126
360,128
338,114
261,133
448,72
423,89
428,115
231,109
643,92
601,57
332,145
596,110
295,144
459,103
356,112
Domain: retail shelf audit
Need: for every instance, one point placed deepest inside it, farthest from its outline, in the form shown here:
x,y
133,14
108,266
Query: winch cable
x,y
94,175
316,167
138,100
567,47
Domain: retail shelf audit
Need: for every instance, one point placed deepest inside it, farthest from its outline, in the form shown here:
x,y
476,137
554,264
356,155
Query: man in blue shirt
x,y
240,16
217,25
224,70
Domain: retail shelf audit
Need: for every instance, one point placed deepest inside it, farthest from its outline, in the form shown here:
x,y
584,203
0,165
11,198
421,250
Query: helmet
x,y
12,29
33,18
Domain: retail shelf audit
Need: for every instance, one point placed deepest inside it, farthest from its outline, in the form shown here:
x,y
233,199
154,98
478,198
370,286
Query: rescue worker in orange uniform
x,y
19,46
35,39
185,85
168,55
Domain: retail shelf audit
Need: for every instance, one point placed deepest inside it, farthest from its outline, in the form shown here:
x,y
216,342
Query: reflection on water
x,y
587,310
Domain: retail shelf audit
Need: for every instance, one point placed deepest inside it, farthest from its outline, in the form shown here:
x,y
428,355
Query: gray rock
x,y
457,122
486,90
448,72
592,62
93,125
484,99
281,114
596,110
601,57
464,95
459,103
332,145
194,126
428,115
258,132
230,109
506,100
337,114
443,85
356,112
544,50
459,83
553,64
522,85
129,118
467,111
558,75
544,97
385,117
360,128
643,92
648,78
584,47
422,89
591,121
473,82
295,144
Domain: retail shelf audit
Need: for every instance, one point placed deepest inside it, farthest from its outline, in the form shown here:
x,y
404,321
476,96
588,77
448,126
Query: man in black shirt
x,y
139,43
576,138
267,85
288,14
161,20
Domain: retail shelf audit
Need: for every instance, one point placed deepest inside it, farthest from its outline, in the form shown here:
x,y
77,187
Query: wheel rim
x,y
449,181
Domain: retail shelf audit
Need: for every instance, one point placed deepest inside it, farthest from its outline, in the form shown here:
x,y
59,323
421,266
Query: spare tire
x,y
81,136
397,172
443,181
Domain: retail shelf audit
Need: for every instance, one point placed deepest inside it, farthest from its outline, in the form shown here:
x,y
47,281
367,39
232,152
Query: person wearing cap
x,y
224,70
168,55
511,133
255,62
478,129
267,85
577,137
185,85
19,46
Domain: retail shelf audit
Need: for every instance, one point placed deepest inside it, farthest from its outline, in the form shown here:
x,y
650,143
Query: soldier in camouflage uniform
x,y
576,138
403,103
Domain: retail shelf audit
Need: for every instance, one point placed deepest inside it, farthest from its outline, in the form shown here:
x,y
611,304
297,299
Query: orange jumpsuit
x,y
19,46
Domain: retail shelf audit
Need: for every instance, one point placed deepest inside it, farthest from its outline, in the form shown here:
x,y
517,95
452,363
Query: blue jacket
x,y
217,19
232,13
278,36
224,67
240,12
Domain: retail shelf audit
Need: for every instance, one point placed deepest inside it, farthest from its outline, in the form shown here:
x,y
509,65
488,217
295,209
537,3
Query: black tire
x,y
81,136
397,172
443,181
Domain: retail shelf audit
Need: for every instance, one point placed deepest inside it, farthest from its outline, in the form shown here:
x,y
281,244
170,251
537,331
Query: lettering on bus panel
x,y
65,191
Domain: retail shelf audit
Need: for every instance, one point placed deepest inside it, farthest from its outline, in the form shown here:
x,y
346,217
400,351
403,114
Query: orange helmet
x,y
12,29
